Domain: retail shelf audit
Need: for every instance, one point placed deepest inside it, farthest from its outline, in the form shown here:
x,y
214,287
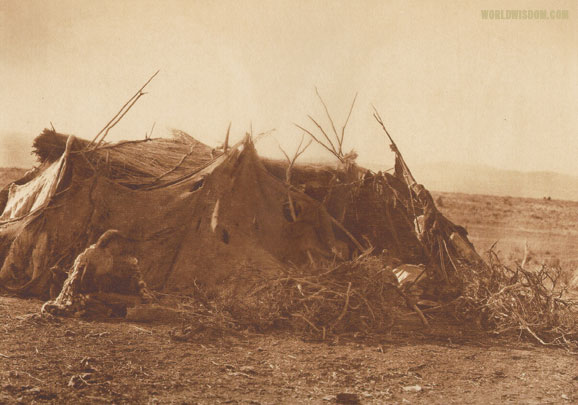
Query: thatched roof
x,y
135,164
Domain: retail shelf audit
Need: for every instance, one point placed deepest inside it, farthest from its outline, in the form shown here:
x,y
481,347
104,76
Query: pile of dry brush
x,y
356,296
363,295
511,299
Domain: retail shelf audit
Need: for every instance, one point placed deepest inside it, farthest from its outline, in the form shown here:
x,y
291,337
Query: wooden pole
x,y
121,113
393,145
226,144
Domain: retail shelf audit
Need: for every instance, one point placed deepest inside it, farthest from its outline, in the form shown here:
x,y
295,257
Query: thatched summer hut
x,y
195,216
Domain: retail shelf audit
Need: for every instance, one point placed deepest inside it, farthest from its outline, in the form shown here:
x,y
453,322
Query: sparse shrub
x,y
505,300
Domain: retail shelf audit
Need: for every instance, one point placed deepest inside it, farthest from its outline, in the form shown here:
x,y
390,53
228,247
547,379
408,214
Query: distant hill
x,y
16,150
477,179
10,174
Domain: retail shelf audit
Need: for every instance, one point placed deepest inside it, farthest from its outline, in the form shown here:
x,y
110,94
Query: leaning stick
x,y
307,321
345,306
449,256
414,307
226,144
407,172
349,235
442,263
392,227
393,144
339,225
421,315
148,136
124,109
118,120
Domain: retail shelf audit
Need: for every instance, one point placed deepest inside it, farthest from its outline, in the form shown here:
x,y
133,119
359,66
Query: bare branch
x,y
288,180
291,162
335,151
345,125
300,143
300,152
285,153
148,136
319,142
327,112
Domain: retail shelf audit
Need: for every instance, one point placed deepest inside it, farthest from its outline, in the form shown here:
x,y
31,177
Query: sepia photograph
x,y
289,202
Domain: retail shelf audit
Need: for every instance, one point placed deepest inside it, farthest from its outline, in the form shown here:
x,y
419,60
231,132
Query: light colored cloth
x,y
94,271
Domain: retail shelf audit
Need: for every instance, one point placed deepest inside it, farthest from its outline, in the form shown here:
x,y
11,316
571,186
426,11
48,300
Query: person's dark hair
x,y
108,237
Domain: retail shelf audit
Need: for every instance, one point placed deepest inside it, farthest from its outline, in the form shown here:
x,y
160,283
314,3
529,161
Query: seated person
x,y
102,281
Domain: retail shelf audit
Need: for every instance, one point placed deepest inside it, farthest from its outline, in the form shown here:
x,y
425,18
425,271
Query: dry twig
x,y
119,115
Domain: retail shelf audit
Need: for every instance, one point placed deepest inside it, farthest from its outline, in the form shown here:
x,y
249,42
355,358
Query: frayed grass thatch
x,y
50,145
135,164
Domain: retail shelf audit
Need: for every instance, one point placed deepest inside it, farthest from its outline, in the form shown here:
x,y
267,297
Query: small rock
x,y
328,398
248,370
412,388
564,396
347,398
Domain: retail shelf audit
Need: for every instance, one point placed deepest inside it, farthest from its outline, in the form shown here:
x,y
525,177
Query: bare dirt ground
x,y
76,361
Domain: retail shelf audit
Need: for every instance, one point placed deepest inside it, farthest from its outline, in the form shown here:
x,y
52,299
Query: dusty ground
x,y
75,361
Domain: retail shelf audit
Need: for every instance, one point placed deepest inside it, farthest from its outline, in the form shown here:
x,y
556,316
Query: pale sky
x,y
450,86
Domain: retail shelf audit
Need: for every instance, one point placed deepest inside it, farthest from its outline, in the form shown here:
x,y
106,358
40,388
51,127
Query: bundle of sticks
x,y
513,299
361,295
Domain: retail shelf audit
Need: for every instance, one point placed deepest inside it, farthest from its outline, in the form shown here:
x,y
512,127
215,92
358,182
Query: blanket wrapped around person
x,y
103,281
